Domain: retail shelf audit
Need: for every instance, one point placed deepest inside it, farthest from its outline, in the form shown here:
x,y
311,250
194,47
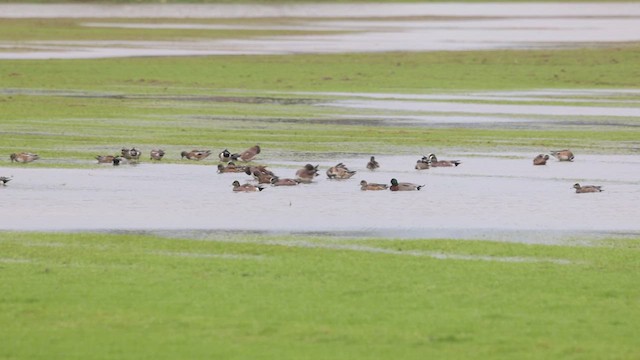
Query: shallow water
x,y
486,197
370,28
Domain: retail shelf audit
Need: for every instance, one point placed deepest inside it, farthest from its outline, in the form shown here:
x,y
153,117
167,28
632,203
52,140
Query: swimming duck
x,y
276,181
373,164
364,185
587,188
423,164
131,154
442,163
105,159
263,177
540,159
340,171
245,187
231,168
195,154
4,180
307,173
24,157
226,156
250,153
562,155
156,154
396,186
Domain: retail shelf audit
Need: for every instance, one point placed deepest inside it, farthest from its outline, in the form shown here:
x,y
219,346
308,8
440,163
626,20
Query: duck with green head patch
x,y
404,186
245,187
587,188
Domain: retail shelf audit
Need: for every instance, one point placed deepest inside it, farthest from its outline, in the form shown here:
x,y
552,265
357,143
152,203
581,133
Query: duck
x,y
231,168
373,164
226,156
364,185
587,188
562,155
195,154
276,181
261,171
404,186
340,171
263,177
250,153
307,173
442,163
156,154
423,164
131,154
24,157
4,180
540,159
245,187
105,159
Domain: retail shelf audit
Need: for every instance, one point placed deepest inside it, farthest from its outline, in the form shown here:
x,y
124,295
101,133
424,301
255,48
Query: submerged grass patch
x,y
99,295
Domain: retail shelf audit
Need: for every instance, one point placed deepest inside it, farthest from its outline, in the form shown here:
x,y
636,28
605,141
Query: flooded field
x,y
335,28
490,196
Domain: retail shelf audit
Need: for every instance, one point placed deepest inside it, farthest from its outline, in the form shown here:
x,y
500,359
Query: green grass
x,y
234,102
98,296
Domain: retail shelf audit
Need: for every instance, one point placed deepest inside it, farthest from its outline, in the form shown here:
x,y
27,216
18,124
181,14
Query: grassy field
x,y
67,296
248,296
69,110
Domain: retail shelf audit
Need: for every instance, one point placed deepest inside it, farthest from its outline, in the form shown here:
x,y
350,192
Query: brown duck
x,y
404,186
245,187
373,164
434,162
587,188
540,159
250,153
195,154
307,173
563,155
23,157
364,185
156,154
340,171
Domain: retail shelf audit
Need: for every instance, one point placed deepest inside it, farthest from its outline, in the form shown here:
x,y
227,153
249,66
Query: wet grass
x,y
251,296
235,102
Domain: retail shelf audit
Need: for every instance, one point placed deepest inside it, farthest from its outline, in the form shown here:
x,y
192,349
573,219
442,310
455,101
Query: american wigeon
x,y
373,164
231,167
245,187
587,188
156,154
434,162
4,180
404,186
276,181
540,159
195,154
340,171
563,155
24,157
131,154
263,177
117,160
105,159
364,185
423,164
226,156
250,153
307,173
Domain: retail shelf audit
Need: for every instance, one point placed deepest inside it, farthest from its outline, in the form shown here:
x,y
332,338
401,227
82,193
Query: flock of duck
x,y
304,175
